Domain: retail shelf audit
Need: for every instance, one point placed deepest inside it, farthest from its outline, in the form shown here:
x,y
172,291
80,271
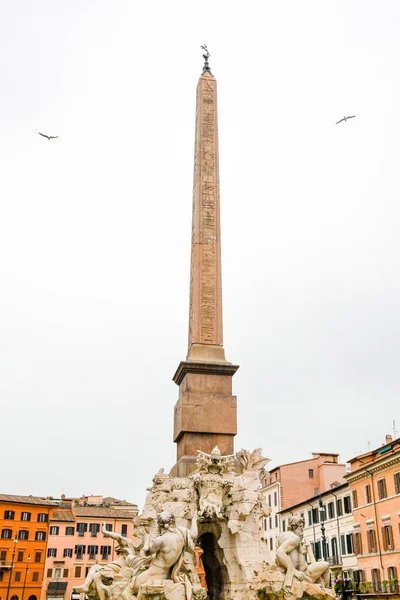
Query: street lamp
x,y
26,573
11,569
322,516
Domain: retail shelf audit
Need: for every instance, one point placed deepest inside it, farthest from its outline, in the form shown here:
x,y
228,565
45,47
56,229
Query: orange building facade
x,y
375,485
24,528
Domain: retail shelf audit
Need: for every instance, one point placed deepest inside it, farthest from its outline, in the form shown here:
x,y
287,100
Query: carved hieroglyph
x,y
205,315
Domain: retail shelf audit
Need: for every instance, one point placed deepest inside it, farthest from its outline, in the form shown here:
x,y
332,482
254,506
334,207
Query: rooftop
x,y
26,500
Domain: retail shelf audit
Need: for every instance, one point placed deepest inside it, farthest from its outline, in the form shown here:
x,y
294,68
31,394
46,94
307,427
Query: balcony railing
x,y
5,564
334,561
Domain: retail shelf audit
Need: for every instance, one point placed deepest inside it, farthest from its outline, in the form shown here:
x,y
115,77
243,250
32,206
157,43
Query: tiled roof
x,y
26,500
111,500
102,511
63,514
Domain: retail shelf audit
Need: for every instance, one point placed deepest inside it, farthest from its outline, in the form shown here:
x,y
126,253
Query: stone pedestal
x,y
205,414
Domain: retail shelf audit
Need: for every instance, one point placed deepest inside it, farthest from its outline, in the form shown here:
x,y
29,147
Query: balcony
x,y
334,561
5,564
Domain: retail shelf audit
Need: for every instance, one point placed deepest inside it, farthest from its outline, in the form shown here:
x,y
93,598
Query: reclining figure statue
x,y
167,553
291,556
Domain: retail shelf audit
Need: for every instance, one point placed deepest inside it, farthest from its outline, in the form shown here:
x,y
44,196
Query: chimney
x,y
388,439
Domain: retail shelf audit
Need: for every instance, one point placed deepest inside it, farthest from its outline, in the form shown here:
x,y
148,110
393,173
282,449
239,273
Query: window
x,y
54,530
78,571
65,573
269,500
271,543
318,554
311,473
57,573
275,498
3,555
371,541
276,521
264,522
23,535
343,545
283,525
51,552
347,504
69,530
81,528
381,490
49,572
109,526
331,510
67,552
124,530
393,579
339,507
20,557
6,534
358,575
367,492
87,571
94,529
42,518
9,515
334,547
80,550
316,491
270,522
35,576
357,543
387,537
376,579
17,576
349,543
92,551
315,515
355,499
26,516
309,515
396,488
1,575
40,536
38,556
105,551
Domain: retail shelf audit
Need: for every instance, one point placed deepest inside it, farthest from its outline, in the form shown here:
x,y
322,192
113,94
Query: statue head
x,y
165,520
296,524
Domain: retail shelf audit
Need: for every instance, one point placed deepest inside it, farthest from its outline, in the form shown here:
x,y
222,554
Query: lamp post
x,y
11,569
26,573
322,516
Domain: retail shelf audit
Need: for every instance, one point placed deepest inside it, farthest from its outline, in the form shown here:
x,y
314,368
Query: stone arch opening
x,y
215,570
33,597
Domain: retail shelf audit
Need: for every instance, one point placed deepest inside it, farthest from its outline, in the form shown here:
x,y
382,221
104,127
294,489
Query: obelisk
x,y
205,413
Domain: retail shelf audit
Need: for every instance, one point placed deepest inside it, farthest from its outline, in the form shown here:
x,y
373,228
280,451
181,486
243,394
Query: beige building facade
x,y
333,510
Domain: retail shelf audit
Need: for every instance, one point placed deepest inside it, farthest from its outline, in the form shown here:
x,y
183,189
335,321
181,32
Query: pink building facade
x,y
76,542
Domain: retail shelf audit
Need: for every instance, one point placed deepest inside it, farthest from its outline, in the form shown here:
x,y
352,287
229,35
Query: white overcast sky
x,y
95,230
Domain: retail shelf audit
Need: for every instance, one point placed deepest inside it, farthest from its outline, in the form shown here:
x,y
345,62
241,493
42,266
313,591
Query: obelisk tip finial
x,y
206,55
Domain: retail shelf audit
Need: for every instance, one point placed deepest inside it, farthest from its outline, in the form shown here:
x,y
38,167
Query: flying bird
x,y
49,137
345,119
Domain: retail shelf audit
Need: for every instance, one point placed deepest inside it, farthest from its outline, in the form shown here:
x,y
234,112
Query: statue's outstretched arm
x,y
112,534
